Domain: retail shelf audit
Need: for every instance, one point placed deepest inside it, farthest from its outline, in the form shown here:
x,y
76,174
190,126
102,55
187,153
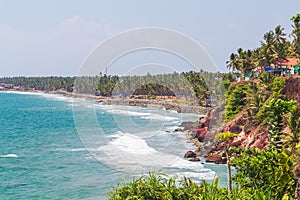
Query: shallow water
x,y
54,147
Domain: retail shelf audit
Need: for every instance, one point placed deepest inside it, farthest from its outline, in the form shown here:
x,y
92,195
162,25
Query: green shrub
x,y
265,170
235,97
156,187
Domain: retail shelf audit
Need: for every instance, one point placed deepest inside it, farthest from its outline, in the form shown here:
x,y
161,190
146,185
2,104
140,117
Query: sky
x,y
54,37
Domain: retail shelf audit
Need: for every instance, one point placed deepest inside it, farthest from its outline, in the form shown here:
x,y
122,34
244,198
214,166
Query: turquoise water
x,y
50,147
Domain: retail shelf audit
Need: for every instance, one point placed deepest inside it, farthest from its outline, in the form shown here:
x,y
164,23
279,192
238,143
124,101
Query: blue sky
x,y
54,37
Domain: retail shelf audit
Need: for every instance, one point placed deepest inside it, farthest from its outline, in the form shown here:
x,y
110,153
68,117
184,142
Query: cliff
x,y
250,134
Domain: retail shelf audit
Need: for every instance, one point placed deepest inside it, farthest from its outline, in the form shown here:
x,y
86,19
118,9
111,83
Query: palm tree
x,y
279,34
226,137
245,61
296,34
279,44
241,60
232,62
268,48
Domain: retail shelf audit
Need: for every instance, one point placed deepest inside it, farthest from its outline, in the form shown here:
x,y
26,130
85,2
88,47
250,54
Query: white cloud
x,y
73,20
78,25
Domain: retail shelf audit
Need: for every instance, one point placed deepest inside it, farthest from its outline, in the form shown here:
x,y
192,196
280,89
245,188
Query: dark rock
x,y
216,158
190,154
222,161
188,125
178,129
235,129
194,159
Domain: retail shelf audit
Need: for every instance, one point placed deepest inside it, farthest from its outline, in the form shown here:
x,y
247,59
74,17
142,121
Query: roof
x,y
287,61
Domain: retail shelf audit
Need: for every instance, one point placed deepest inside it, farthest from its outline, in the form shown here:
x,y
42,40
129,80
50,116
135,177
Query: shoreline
x,y
167,104
150,103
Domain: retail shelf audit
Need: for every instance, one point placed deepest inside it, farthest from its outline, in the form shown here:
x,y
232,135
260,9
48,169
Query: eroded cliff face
x,y
292,88
250,135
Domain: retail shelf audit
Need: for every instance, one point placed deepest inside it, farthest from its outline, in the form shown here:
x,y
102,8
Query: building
x,y
288,66
6,86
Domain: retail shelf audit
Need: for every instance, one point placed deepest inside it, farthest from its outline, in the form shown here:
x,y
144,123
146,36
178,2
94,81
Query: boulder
x,y
190,154
178,129
216,158
194,159
188,125
235,129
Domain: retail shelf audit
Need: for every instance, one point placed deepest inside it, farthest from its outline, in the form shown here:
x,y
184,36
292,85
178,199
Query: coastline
x,y
151,103
201,148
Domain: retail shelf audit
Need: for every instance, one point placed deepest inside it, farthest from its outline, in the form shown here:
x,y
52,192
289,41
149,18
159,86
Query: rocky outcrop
x,y
194,159
250,135
216,158
190,154
188,126
291,88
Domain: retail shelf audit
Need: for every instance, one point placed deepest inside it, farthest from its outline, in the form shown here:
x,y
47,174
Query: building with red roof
x,y
288,62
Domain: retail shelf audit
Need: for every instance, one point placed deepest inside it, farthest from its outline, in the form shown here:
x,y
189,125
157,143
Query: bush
x,y
265,170
156,187
235,97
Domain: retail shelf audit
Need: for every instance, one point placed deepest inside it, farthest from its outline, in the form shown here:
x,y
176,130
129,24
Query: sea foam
x,y
9,156
131,144
131,153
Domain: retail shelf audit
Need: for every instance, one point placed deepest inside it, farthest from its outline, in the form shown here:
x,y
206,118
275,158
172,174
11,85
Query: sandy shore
x,y
151,103
157,103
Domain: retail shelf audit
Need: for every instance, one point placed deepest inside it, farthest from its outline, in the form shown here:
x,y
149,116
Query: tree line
x,y
189,85
41,83
274,47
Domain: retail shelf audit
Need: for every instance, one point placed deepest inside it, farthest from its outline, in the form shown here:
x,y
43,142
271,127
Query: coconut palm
x,y
267,48
245,61
280,49
226,137
279,34
296,34
232,63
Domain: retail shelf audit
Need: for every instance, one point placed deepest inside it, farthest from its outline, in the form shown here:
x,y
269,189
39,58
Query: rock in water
x,y
194,159
216,158
190,154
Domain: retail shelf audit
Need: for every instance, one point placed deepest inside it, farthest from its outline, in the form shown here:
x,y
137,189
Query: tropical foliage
x,y
226,137
190,85
274,46
41,83
157,187
268,170
235,97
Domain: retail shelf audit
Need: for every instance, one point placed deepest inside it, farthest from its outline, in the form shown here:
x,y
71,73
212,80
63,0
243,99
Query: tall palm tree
x,y
241,60
296,34
279,44
232,62
245,61
279,34
226,137
268,48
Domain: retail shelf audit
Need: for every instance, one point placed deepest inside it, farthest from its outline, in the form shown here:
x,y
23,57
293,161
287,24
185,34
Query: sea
x,y
57,147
